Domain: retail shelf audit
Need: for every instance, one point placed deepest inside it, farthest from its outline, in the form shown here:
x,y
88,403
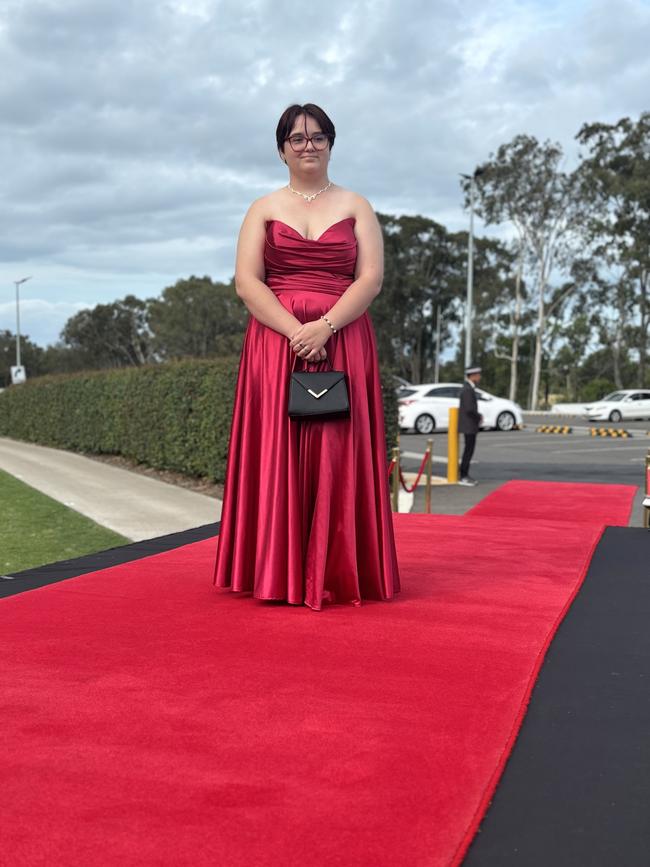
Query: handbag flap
x,y
319,382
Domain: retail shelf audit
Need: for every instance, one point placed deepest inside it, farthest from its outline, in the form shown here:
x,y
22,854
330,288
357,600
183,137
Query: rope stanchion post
x,y
418,475
427,491
452,446
646,501
395,481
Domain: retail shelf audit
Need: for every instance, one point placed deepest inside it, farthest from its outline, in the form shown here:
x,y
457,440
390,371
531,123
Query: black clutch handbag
x,y
318,394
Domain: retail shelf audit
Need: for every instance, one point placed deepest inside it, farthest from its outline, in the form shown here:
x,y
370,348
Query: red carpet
x,y
577,503
149,719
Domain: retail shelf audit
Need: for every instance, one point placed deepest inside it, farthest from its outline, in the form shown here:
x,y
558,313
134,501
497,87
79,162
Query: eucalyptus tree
x,y
509,316
609,298
575,333
110,335
615,176
423,273
196,317
614,314
524,185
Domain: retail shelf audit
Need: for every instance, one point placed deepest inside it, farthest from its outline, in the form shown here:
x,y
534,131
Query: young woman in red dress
x,y
306,512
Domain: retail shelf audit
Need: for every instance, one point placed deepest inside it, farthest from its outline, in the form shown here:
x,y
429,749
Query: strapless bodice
x,y
324,264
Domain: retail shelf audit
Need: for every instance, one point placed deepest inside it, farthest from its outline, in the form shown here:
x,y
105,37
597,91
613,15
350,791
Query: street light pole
x,y
18,282
436,370
470,275
470,267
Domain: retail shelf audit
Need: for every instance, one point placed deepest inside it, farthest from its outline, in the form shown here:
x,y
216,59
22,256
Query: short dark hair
x,y
288,119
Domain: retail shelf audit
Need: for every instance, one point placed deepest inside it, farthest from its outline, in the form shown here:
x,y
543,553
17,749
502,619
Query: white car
x,y
627,403
425,408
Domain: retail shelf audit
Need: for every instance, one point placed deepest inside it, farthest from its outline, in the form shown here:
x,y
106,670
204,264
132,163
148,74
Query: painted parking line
x,y
605,448
541,440
566,440
436,459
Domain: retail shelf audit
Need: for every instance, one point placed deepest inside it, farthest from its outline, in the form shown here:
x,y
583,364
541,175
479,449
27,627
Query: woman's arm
x,y
369,272
249,276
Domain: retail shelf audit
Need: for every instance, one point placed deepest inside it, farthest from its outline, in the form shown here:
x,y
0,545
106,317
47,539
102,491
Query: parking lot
x,y
526,454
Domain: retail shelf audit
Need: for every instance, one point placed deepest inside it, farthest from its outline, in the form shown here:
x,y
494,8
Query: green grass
x,y
35,529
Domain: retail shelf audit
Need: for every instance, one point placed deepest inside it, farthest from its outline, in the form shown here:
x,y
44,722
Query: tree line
x,y
560,299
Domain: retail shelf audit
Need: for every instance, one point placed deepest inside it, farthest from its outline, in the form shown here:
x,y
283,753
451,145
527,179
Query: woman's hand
x,y
309,340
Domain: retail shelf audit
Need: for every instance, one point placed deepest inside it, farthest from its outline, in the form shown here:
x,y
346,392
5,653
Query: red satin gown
x,y
306,511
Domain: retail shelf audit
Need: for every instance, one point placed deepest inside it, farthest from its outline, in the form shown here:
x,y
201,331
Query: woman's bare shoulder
x,y
264,207
357,204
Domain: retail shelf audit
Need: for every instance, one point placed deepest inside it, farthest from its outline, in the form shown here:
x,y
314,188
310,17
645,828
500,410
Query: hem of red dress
x,y
255,596
356,603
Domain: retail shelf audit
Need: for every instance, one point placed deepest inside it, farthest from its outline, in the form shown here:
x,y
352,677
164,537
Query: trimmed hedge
x,y
172,416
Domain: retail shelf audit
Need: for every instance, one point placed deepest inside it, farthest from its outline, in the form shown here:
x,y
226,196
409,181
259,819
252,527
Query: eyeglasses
x,y
298,142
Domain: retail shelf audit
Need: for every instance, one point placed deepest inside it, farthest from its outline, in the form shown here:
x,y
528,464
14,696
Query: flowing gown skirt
x,y
306,514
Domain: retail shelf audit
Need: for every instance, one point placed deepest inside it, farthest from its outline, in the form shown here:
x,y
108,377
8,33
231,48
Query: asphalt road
x,y
525,454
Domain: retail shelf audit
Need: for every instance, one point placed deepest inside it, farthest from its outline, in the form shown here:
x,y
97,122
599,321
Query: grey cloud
x,y
135,135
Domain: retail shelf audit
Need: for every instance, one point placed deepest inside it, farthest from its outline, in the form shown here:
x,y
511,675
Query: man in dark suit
x,y
469,421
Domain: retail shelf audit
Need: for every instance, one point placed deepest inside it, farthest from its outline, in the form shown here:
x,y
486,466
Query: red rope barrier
x,y
390,467
419,476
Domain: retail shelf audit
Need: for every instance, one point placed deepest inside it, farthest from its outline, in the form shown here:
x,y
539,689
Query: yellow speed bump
x,y
610,432
554,429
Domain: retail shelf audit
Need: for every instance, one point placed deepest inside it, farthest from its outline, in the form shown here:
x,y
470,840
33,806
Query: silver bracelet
x,y
334,330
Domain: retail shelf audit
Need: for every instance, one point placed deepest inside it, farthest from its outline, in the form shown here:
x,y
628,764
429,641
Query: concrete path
x,y
131,504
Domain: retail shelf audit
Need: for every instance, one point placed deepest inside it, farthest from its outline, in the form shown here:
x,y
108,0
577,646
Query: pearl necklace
x,y
307,197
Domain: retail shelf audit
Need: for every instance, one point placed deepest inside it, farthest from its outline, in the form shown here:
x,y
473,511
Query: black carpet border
x,y
576,789
41,576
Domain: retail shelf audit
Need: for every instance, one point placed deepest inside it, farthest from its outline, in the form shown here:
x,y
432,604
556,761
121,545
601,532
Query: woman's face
x,y
304,156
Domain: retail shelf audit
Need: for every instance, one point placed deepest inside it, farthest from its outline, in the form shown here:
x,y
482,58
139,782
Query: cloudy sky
x,y
134,134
